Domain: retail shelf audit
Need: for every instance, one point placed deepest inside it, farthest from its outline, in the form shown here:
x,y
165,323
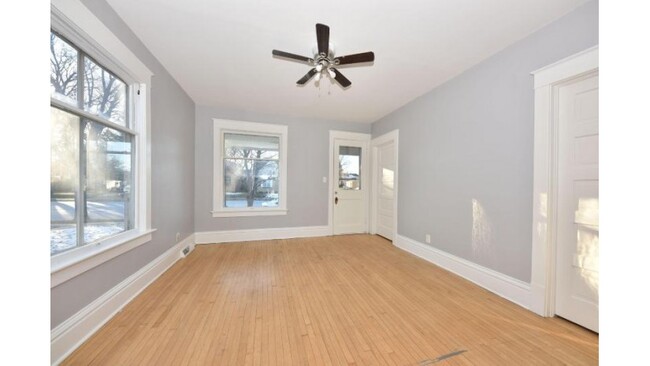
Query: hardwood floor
x,y
354,300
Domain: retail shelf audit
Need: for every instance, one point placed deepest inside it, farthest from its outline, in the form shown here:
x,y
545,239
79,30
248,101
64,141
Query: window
x,y
249,168
92,144
100,160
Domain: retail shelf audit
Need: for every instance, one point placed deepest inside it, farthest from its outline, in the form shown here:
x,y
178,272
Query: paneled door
x,y
577,270
385,191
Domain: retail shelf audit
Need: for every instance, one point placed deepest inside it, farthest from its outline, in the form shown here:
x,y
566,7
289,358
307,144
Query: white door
x,y
349,189
577,235
385,192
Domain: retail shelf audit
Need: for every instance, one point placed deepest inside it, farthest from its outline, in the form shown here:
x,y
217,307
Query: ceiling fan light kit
x,y
324,60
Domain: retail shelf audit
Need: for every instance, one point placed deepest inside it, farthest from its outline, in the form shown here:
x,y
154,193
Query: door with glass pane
x,y
349,206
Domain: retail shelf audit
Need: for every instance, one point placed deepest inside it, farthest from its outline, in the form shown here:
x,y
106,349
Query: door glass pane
x,y
104,93
109,205
251,183
349,167
64,179
63,70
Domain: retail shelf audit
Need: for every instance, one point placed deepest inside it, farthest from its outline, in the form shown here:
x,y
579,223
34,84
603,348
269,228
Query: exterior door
x,y
385,192
349,189
577,236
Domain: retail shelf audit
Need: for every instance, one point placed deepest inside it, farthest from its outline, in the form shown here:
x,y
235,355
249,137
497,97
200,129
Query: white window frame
x,y
72,20
222,126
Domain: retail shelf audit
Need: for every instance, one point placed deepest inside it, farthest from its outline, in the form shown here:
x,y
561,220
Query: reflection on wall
x,y
481,232
543,211
587,257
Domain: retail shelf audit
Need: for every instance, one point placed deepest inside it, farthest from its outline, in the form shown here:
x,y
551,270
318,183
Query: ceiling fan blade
x,y
292,56
308,76
356,58
323,38
340,78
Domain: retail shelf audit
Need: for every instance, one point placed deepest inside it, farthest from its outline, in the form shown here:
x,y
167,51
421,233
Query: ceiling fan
x,y
324,60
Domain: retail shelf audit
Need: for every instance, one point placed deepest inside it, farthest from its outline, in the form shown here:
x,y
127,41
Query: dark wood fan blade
x,y
292,56
356,58
323,38
340,78
306,78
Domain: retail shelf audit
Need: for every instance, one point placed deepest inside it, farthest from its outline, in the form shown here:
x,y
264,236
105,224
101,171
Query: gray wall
x,y
472,139
172,175
308,146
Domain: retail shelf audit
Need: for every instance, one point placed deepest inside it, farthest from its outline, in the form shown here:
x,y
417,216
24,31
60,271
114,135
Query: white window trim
x,y
78,24
222,126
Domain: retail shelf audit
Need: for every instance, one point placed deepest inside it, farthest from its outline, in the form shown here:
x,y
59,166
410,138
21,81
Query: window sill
x,y
250,212
68,265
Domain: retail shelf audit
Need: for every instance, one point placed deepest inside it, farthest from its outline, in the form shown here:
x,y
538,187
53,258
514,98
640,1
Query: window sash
x,y
81,194
81,57
225,158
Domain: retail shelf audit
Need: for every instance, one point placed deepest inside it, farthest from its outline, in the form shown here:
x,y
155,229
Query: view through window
x,y
251,167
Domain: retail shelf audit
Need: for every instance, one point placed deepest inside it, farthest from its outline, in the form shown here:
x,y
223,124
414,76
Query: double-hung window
x,y
99,195
92,150
249,168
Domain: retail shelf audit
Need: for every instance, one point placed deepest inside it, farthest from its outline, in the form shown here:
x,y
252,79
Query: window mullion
x,y
81,190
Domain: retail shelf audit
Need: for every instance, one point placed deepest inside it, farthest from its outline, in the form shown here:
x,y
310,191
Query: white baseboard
x,y
70,334
507,287
226,236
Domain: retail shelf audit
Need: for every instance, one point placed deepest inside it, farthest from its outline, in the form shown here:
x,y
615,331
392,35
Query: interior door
x,y
385,192
349,206
577,235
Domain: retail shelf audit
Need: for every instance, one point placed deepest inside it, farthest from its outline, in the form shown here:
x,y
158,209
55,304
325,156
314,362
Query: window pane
x,y
251,146
63,70
109,207
349,167
251,183
64,179
104,94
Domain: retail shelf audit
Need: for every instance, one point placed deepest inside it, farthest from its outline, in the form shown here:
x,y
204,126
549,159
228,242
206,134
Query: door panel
x,y
385,181
577,277
349,208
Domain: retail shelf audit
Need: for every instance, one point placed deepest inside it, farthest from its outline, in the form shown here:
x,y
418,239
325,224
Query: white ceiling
x,y
220,50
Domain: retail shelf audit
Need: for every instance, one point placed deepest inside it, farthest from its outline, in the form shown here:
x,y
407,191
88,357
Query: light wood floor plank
x,y
343,300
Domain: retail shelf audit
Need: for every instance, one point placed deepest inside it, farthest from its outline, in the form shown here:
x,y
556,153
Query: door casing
x,y
545,173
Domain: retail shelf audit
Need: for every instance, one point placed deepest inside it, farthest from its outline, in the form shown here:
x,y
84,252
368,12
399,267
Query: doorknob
x,y
336,200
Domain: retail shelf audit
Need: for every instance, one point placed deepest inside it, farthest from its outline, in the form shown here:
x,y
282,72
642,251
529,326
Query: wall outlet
x,y
178,237
324,179
427,238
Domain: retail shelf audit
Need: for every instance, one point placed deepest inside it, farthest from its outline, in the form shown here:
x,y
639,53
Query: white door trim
x,y
334,134
392,136
545,172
